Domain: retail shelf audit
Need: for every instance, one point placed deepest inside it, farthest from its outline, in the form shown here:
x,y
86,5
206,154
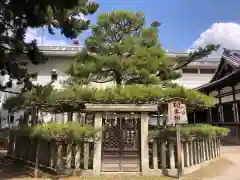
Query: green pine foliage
x,y
190,131
117,94
124,50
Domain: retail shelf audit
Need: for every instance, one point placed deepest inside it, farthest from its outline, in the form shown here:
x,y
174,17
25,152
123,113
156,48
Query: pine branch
x,y
102,81
11,92
19,93
199,54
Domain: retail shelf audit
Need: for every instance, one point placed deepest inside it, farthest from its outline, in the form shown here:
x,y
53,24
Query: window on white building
x,y
207,71
11,118
190,70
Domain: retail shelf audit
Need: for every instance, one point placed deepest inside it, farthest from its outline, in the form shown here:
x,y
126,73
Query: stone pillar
x,y
194,152
97,145
155,155
186,154
59,157
69,155
144,143
163,157
198,151
75,117
183,157
191,153
171,155
207,149
59,118
78,156
218,146
52,153
86,156
65,117
214,148
204,149
210,148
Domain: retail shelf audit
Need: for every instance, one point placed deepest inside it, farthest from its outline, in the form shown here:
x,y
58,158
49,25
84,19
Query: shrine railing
x,y
163,155
56,156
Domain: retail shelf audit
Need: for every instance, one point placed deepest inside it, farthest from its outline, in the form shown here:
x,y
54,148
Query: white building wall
x,y
194,80
60,64
237,90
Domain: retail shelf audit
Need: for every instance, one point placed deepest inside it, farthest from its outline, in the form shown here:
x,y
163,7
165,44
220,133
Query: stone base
x,y
77,172
153,172
87,173
174,172
120,173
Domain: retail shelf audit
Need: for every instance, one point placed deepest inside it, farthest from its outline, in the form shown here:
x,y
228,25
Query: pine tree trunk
x,y
33,120
118,78
25,118
23,121
34,116
36,171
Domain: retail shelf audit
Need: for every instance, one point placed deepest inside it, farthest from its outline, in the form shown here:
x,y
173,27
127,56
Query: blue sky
x,y
185,23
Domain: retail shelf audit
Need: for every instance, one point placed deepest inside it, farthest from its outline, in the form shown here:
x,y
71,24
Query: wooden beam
x,y
209,115
235,105
220,107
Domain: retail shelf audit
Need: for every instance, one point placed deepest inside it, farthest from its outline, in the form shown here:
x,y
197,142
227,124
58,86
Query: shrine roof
x,y
227,73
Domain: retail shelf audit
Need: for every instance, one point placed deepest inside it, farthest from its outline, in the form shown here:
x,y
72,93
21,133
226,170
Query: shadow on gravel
x,y
10,169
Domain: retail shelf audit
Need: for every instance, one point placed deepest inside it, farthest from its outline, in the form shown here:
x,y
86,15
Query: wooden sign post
x,y
177,115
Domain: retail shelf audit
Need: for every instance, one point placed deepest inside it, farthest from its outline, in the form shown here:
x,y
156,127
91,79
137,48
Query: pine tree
x,y
122,49
17,16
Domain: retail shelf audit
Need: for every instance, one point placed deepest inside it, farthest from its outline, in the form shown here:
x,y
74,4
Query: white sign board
x,y
177,113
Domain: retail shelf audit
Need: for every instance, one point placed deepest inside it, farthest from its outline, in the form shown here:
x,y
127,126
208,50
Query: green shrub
x,y
70,131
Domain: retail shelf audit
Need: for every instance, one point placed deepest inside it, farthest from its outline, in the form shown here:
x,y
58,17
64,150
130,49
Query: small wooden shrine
x,y
124,145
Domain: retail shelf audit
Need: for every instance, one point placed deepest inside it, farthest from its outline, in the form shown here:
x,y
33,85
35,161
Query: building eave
x,y
218,82
67,51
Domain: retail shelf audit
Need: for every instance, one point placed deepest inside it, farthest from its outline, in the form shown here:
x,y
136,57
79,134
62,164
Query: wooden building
x,y
225,86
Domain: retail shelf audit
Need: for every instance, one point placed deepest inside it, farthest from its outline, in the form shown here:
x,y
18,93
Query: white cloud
x,y
81,16
42,40
225,34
